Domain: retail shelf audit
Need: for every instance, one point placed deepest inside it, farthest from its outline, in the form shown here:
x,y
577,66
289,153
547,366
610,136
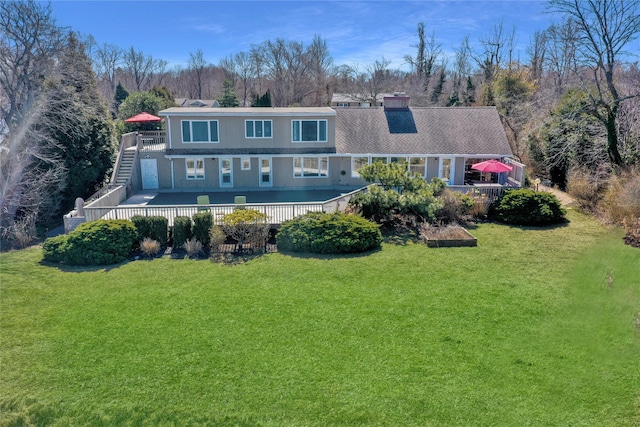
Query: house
x,y
358,100
317,147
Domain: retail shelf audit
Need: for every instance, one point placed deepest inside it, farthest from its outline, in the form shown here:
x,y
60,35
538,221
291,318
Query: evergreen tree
x,y
453,100
469,94
81,125
229,98
264,100
165,94
136,103
437,90
120,95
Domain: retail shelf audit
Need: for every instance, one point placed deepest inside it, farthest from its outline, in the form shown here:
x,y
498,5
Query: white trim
x,y
209,136
196,177
260,182
242,160
248,112
302,176
452,169
173,177
220,175
213,156
326,131
169,131
254,128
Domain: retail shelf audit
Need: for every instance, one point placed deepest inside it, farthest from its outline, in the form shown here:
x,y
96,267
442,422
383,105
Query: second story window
x,y
309,130
257,128
199,131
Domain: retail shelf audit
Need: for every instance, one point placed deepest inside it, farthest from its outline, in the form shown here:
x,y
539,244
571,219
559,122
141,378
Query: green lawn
x,y
525,329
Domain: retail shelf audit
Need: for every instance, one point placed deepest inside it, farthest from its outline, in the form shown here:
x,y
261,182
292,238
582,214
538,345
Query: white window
x,y
418,165
357,163
379,159
195,168
310,167
257,128
446,170
343,104
265,172
199,131
398,159
226,172
245,163
309,130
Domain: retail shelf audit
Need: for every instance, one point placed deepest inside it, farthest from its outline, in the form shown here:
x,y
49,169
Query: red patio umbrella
x,y
143,118
492,165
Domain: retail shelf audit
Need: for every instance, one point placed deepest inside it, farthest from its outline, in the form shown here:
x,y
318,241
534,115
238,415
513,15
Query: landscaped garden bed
x,y
447,237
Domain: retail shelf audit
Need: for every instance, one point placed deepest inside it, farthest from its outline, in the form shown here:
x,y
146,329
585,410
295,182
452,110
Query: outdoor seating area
x,y
279,206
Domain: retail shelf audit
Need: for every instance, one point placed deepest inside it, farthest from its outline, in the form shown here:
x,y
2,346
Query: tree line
x,y
571,102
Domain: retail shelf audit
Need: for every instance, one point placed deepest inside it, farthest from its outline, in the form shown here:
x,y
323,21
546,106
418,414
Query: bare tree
x,y
139,67
604,28
560,59
320,68
108,57
29,44
537,51
197,65
371,82
497,48
428,52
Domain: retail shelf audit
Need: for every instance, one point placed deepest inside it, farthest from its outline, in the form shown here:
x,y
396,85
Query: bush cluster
x,y
152,227
334,233
382,205
527,207
246,226
93,243
455,207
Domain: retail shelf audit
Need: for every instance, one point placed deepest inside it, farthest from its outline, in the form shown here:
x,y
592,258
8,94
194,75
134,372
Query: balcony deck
x,y
279,206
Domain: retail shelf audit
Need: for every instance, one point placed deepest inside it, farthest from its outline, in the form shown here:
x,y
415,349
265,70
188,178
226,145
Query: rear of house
x,y
319,148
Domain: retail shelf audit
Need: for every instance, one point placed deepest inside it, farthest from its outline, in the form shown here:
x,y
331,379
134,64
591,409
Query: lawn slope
x,y
532,327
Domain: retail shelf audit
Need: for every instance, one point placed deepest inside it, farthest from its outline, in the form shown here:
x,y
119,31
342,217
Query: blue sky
x,y
356,32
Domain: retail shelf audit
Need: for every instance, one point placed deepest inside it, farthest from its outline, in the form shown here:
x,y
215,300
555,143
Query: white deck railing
x,y
276,212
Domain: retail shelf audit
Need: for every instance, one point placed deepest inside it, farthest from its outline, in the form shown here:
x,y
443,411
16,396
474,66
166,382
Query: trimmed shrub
x,y
324,233
527,207
54,248
153,227
181,230
246,226
93,243
202,222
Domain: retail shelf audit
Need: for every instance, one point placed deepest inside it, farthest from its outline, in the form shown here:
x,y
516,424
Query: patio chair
x,y
203,200
240,201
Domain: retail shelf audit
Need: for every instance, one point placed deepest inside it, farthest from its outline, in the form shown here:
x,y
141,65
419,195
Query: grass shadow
x,y
84,268
309,255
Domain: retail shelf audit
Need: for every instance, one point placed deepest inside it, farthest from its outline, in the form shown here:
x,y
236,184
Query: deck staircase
x,y
126,165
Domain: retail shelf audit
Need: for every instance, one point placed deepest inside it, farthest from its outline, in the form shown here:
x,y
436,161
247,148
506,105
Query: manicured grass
x,y
524,329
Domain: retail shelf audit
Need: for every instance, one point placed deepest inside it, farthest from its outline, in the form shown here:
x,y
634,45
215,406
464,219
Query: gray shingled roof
x,y
452,130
